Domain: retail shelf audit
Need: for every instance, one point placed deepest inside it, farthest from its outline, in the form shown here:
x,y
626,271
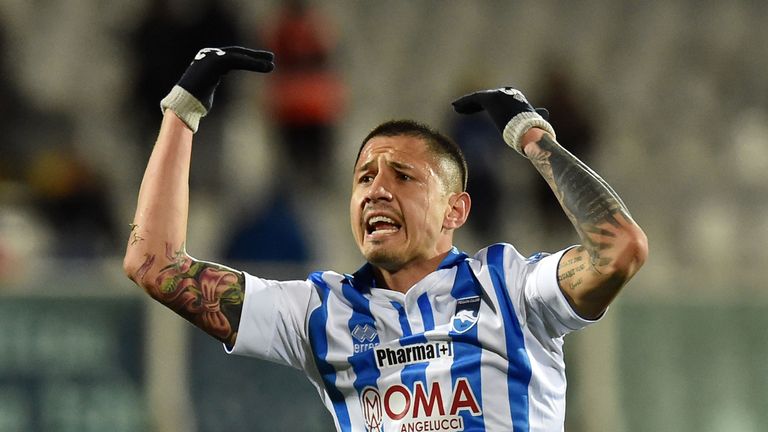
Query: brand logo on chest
x,y
363,336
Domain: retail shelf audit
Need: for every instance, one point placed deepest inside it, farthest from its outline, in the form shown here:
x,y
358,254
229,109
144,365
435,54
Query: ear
x,y
458,210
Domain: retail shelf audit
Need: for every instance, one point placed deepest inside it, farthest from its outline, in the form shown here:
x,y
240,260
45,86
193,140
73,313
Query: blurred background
x,y
666,100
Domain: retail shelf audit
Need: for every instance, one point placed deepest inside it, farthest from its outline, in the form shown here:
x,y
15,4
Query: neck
x,y
404,278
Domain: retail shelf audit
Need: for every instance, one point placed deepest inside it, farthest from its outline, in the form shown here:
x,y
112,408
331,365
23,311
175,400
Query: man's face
x,y
398,203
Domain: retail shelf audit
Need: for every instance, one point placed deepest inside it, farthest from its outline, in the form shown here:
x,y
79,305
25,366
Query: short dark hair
x,y
438,144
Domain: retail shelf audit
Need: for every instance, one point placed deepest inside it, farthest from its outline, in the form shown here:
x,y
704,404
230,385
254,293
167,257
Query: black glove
x,y
510,111
192,97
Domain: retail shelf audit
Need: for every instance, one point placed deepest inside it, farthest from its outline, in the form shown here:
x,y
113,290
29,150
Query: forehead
x,y
400,148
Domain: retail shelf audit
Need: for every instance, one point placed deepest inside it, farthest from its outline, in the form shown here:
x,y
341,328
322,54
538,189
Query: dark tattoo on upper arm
x,y
592,206
206,294
571,271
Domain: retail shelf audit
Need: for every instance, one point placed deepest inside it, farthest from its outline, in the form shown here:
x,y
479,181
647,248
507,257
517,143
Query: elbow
x,y
132,261
131,264
129,267
634,252
136,266
639,247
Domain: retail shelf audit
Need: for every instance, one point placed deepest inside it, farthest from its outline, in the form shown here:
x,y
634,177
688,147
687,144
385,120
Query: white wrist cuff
x,y
186,107
519,125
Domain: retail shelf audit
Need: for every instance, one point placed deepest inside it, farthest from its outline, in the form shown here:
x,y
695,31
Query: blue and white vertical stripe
x,y
500,362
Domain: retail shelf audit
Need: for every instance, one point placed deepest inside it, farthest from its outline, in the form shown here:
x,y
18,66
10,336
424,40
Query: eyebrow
x,y
393,164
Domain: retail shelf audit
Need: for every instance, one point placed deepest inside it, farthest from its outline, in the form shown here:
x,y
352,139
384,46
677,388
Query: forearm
x,y
613,247
160,222
587,199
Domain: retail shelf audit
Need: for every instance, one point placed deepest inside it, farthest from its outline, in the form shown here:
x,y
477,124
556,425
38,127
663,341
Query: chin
x,y
385,259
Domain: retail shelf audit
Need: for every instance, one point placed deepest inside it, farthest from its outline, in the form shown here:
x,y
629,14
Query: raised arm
x,y
208,295
613,247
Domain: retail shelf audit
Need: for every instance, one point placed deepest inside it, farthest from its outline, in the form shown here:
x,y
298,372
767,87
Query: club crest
x,y
466,314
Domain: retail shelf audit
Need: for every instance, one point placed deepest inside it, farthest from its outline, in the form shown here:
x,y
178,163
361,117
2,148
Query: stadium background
x,y
674,90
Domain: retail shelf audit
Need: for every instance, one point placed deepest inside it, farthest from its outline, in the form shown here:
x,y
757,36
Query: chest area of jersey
x,y
397,335
417,366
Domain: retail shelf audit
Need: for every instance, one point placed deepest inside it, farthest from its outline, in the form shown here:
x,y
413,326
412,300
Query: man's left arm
x,y
613,247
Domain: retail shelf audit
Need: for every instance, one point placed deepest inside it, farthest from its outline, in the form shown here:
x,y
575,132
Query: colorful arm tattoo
x,y
206,294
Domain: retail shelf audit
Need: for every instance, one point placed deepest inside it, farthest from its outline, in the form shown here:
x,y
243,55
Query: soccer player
x,y
423,337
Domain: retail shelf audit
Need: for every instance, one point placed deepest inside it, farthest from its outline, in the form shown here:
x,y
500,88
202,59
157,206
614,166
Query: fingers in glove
x,y
249,59
467,104
256,54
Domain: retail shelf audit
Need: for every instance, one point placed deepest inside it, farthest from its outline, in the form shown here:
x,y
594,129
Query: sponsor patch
x,y
410,354
422,409
372,410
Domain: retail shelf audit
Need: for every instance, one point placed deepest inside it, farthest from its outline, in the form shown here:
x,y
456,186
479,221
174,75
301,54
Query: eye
x,y
404,177
365,179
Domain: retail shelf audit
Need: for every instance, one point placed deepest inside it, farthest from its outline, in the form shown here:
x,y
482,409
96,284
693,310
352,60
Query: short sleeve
x,y
546,302
272,323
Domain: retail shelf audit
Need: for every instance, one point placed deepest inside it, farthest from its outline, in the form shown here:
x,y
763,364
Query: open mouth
x,y
381,225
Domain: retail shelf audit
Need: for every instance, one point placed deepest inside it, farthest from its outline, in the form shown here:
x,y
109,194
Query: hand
x,y
192,97
510,111
204,73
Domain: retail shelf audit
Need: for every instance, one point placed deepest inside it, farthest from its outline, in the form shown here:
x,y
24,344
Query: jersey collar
x,y
363,279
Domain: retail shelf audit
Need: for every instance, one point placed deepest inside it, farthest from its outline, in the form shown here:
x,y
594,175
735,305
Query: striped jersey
x,y
474,346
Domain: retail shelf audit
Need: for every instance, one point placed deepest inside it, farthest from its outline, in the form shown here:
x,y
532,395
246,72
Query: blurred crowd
x,y
270,163
50,187
58,203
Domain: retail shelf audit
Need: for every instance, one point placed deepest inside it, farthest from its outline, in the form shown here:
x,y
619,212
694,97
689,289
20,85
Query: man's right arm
x,y
208,295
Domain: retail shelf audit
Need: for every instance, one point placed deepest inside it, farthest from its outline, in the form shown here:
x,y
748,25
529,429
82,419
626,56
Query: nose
x,y
379,190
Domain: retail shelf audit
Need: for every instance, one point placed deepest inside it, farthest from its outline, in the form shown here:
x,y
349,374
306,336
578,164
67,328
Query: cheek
x,y
429,220
434,205
354,215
